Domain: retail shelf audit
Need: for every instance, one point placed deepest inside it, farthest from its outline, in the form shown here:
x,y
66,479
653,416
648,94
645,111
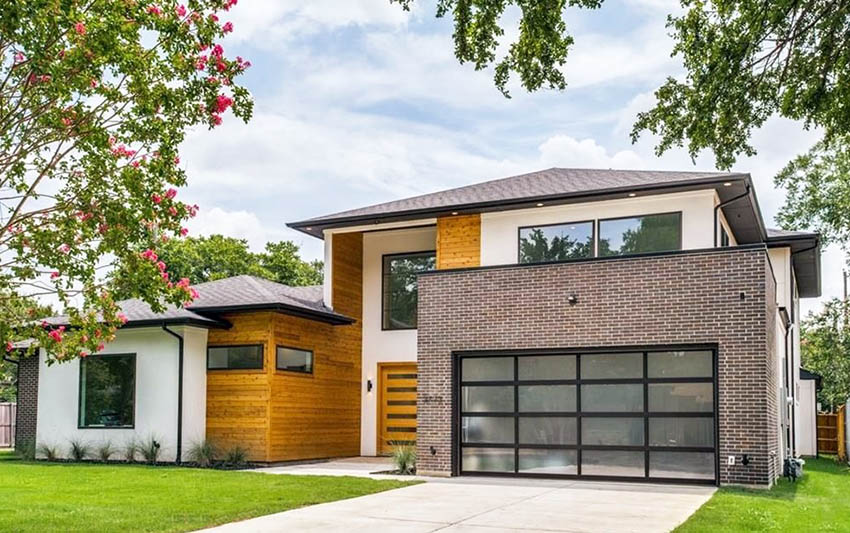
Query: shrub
x,y
79,450
130,450
25,449
404,458
105,451
150,449
48,451
237,455
202,453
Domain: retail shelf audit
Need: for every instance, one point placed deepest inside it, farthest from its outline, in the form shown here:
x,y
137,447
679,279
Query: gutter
x,y
727,202
179,391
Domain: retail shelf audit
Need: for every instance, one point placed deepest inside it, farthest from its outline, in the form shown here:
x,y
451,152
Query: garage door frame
x,y
456,427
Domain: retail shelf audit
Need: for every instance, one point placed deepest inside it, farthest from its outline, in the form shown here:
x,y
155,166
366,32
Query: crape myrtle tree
x,y
95,99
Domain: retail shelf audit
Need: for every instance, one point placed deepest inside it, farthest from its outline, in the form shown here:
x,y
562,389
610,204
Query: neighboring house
x,y
593,323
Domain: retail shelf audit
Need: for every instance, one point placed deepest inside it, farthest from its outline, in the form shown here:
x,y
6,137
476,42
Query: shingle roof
x,y
773,233
230,294
552,182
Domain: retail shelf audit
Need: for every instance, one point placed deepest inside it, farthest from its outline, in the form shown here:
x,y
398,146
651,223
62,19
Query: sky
x,y
359,102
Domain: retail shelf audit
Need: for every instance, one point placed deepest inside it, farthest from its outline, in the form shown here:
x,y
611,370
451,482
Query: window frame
x,y
593,244
80,389
300,372
383,278
261,368
599,222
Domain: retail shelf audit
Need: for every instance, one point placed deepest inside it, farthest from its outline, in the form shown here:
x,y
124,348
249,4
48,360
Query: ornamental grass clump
x,y
79,450
105,451
48,451
202,453
130,450
404,458
150,449
236,456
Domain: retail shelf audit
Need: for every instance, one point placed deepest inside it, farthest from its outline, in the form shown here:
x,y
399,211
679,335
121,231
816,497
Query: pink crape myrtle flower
x,y
184,232
171,193
222,102
161,266
122,317
227,27
216,119
172,211
157,199
19,57
64,248
54,275
229,4
180,10
154,10
217,51
56,335
149,254
9,346
80,28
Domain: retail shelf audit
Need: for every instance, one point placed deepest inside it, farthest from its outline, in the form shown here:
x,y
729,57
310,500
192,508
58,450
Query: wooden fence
x,y
831,433
7,425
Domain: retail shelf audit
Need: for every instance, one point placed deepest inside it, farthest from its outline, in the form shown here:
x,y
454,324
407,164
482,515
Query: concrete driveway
x,y
485,505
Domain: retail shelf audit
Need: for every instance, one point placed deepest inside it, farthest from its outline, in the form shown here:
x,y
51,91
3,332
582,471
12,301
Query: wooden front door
x,y
396,405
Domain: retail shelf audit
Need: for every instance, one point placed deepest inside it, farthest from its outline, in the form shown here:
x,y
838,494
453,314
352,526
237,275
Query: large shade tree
x,y
95,98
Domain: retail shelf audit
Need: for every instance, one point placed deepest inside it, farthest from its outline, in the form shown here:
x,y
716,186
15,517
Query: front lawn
x,y
818,502
38,496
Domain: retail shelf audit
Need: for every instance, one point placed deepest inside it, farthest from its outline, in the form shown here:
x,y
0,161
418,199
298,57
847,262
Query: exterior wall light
x,y
572,299
368,385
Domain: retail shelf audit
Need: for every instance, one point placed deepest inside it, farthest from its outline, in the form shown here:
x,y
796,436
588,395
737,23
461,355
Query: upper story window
x,y
235,357
724,236
641,234
556,242
294,359
107,391
399,292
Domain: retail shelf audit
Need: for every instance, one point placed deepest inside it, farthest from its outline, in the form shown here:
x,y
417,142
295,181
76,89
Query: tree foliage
x,y
539,51
826,350
95,99
746,61
215,257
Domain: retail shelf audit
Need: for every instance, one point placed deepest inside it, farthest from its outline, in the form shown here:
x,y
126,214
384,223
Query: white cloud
x,y
565,151
237,224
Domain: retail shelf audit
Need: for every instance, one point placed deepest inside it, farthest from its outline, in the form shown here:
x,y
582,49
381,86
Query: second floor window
x,y
399,292
556,242
641,234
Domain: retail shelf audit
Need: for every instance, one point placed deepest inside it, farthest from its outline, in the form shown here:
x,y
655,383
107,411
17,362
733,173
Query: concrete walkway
x,y
488,505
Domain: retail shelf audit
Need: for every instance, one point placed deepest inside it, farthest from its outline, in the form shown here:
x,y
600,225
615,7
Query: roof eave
x,y
334,319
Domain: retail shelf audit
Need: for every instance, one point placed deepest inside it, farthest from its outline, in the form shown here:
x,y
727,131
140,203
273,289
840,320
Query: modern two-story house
x,y
598,324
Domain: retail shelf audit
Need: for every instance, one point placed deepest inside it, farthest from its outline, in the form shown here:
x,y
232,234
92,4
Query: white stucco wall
x,y
807,419
499,237
156,393
383,346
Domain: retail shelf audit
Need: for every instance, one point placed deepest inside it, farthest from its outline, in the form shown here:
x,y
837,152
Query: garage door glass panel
x,y
548,462
680,364
547,367
488,429
681,397
612,463
689,465
688,432
612,366
488,369
611,431
487,460
547,430
547,398
487,399
612,398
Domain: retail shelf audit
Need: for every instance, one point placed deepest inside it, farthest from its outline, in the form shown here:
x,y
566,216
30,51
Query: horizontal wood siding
x,y
238,400
459,241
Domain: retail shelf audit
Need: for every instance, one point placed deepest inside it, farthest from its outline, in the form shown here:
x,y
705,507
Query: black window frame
x,y
80,389
384,258
645,414
303,372
593,243
599,222
248,369
724,237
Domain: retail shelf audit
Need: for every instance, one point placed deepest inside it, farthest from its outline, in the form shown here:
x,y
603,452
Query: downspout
x,y
179,391
721,204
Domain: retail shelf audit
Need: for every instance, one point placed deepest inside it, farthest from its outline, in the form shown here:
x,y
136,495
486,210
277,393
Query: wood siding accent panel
x,y
459,241
238,400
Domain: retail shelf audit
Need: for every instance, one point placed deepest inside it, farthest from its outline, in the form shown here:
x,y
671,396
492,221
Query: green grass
x,y
38,496
820,501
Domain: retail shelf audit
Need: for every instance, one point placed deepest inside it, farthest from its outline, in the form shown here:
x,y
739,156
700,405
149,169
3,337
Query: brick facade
x,y
723,297
27,401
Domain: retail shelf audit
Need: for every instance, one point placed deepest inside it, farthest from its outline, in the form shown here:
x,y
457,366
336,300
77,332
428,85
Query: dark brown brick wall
x,y
27,401
677,298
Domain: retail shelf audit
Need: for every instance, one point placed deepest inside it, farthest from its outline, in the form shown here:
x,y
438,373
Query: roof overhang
x,y
743,215
805,260
335,319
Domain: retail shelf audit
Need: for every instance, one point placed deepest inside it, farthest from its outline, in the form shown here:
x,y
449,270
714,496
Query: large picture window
x,y
641,234
107,391
400,294
235,357
556,242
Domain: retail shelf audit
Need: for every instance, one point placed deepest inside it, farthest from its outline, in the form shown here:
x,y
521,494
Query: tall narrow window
x,y
107,391
400,295
556,242
642,234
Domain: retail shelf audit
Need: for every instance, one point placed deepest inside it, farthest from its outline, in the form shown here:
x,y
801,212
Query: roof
x,y
554,184
805,257
238,293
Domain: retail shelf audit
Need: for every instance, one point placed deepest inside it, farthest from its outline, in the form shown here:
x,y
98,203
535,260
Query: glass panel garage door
x,y
640,414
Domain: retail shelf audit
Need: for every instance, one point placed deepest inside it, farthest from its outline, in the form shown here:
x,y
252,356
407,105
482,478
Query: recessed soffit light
x,y
540,205
727,184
